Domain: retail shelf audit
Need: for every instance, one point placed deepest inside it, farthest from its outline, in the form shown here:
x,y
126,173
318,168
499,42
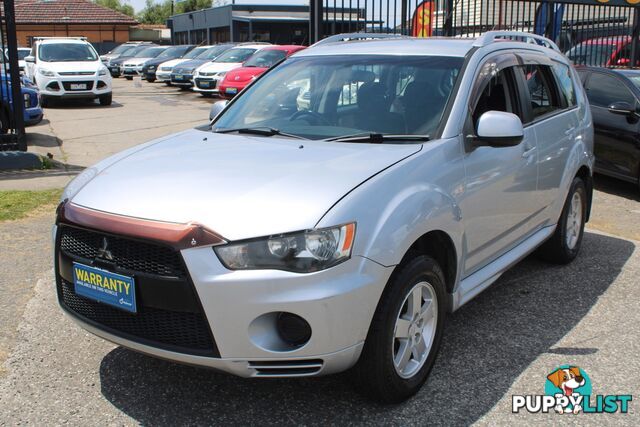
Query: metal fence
x,y
592,32
12,136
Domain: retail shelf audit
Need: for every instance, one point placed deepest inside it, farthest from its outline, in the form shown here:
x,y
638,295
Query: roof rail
x,y
491,36
54,38
345,37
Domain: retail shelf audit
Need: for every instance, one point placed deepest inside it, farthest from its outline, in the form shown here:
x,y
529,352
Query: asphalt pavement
x,y
535,317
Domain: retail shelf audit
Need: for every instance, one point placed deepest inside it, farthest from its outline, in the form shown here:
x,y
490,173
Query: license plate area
x,y
78,86
105,287
231,90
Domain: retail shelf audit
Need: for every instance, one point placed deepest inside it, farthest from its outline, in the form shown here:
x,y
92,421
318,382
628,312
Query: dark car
x,y
182,74
174,52
614,96
115,65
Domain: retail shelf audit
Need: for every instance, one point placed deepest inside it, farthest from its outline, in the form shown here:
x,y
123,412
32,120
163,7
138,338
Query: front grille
x,y
77,73
206,84
169,314
130,255
67,85
178,331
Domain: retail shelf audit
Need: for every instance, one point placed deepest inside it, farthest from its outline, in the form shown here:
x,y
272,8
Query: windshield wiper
x,y
264,131
378,138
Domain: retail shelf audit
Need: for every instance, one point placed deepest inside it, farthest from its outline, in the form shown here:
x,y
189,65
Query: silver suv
x,y
336,211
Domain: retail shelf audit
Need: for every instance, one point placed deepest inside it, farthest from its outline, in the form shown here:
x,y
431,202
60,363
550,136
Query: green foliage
x,y
18,204
191,5
155,13
117,5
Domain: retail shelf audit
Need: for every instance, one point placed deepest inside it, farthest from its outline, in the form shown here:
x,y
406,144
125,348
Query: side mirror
x,y
30,58
623,109
499,129
217,108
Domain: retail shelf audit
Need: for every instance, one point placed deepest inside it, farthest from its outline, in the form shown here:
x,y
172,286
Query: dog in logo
x,y
567,380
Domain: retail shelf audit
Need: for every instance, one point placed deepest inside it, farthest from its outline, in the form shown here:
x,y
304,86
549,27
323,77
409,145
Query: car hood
x,y
217,67
134,62
244,74
158,61
78,66
173,62
191,64
237,186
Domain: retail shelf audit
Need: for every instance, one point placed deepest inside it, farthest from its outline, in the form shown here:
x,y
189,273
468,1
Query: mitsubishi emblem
x,y
104,252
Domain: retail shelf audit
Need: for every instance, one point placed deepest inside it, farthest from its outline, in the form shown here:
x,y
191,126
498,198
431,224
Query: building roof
x,y
67,12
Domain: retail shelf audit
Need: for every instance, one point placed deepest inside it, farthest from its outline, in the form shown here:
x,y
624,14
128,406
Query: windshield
x,y
265,58
598,55
212,52
332,96
173,52
235,55
150,52
67,52
195,52
120,49
23,52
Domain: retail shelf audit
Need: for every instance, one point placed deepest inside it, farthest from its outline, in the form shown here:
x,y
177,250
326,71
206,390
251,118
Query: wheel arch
x,y
585,174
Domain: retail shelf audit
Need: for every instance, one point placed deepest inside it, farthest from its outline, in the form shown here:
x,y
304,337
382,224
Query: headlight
x,y
220,76
47,73
103,71
27,100
301,252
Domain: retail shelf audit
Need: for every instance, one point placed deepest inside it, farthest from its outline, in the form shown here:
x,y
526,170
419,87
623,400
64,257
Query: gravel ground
x,y
505,342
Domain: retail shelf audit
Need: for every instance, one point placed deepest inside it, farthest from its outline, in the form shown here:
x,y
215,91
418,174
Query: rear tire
x,y
168,83
564,245
151,79
408,322
105,100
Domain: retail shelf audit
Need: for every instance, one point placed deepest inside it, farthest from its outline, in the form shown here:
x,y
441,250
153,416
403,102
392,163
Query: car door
x,y
617,138
498,205
552,114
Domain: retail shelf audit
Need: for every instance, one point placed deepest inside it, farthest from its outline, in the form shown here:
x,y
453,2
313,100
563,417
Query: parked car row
x,y
223,69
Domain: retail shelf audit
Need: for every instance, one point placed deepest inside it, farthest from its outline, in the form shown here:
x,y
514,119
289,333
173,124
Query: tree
x,y
117,5
191,5
155,13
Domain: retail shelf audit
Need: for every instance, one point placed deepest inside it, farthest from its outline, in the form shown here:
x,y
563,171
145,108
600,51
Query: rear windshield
x,y
67,52
265,58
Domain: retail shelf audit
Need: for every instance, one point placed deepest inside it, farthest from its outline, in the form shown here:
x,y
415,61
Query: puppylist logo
x,y
567,390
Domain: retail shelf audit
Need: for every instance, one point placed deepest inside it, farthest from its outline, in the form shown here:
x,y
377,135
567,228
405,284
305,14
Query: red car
x,y
603,52
236,80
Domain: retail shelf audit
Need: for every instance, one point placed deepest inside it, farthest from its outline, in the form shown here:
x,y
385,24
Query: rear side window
x,y
542,90
567,91
604,90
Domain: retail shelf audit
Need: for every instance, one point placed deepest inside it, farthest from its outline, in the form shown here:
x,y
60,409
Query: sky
x,y
138,5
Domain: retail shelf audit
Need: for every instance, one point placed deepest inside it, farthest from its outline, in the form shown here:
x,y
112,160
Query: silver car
x,y
296,238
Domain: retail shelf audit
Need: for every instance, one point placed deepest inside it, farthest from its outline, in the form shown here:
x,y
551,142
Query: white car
x,y
163,72
133,66
68,68
208,76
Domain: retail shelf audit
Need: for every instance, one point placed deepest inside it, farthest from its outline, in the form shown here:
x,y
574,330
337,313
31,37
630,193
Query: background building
x,y
101,26
282,24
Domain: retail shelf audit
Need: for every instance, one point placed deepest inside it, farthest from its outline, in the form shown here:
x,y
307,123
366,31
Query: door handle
x,y
528,152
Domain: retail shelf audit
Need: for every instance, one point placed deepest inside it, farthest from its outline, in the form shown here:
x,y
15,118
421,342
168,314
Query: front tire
x,y
564,245
106,100
151,79
128,77
405,334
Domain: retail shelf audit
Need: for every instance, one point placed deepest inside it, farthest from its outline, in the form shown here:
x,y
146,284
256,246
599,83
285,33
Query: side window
x,y
542,90
567,91
604,90
499,94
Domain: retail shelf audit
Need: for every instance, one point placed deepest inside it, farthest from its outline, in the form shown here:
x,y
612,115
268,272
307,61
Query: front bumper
x,y
131,71
205,84
338,303
182,79
115,70
63,86
33,115
163,75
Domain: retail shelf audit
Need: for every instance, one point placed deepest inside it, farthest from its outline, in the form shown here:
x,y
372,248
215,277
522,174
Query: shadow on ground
x,y
487,344
617,187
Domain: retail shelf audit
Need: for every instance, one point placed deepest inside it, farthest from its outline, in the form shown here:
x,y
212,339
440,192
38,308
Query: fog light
x,y
293,329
